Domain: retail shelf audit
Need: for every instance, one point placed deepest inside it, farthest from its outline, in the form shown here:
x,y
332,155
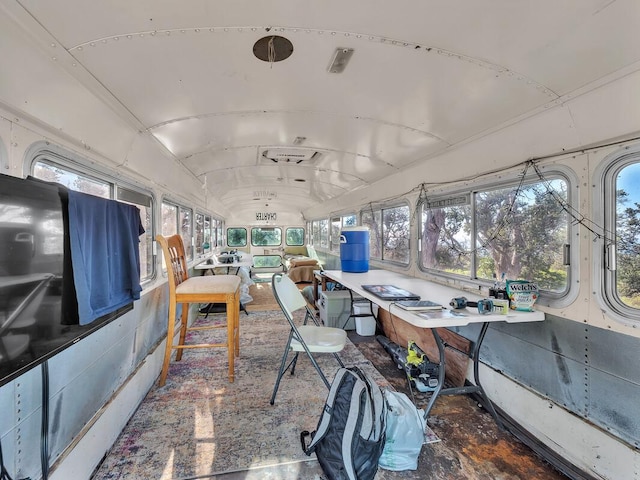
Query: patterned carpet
x,y
199,425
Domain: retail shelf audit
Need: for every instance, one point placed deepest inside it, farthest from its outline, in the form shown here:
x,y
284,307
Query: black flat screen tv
x,y
38,308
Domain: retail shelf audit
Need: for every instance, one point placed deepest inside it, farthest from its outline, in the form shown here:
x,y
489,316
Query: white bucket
x,y
365,326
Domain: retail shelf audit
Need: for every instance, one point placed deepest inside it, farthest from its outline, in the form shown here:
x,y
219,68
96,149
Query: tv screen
x,y
38,308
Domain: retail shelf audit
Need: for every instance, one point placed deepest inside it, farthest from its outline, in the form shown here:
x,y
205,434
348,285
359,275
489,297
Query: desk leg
x,y
441,373
477,388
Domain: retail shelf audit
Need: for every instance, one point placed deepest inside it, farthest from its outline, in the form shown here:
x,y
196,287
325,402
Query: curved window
x,y
622,242
518,231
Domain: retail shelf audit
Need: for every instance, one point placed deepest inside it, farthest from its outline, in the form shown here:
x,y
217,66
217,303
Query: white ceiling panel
x,y
425,76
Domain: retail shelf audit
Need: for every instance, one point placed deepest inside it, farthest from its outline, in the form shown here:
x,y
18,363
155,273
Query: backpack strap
x,y
359,388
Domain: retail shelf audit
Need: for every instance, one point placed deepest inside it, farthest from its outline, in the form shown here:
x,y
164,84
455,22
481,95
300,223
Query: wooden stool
x,y
208,289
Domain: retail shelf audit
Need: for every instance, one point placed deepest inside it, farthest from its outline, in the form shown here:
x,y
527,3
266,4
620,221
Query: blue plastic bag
x,y
405,433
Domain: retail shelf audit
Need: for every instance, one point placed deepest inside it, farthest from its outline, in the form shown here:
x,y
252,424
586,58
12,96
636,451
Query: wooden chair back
x,y
176,262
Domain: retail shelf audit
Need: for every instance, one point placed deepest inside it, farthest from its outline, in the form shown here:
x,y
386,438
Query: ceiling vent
x,y
290,155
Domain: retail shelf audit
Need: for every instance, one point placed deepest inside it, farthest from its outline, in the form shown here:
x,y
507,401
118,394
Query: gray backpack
x,y
350,435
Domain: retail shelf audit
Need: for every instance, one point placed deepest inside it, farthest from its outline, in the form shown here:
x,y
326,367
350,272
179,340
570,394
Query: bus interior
x,y
475,142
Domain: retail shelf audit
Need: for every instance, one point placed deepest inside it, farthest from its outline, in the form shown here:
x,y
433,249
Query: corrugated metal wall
x,y
590,371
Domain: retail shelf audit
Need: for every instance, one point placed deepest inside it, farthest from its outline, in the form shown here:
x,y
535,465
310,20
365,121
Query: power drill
x,y
484,306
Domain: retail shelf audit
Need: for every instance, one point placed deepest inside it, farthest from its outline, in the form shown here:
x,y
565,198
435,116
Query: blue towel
x,y
105,255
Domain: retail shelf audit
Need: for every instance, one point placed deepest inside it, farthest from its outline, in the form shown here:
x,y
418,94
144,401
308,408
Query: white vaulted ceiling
x,y
424,76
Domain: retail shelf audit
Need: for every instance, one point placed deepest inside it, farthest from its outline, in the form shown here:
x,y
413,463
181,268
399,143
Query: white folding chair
x,y
305,338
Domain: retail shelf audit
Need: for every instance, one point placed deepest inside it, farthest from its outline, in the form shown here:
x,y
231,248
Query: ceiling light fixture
x,y
340,59
273,48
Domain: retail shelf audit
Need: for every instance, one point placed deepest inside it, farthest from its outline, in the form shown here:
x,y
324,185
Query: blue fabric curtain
x,y
104,238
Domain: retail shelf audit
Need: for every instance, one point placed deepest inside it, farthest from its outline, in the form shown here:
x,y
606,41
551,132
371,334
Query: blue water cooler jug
x,y
354,249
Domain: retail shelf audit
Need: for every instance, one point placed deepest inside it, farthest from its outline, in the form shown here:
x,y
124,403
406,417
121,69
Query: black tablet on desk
x,y
390,293
419,305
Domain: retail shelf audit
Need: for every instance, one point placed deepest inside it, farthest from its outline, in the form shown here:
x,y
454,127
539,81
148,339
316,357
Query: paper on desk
x,y
442,314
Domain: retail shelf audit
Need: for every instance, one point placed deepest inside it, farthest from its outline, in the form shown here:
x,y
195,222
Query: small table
x,y
319,278
441,294
211,263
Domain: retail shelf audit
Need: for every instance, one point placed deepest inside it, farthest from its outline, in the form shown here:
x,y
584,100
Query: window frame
x,y
373,235
246,237
607,215
71,163
550,172
286,236
180,209
253,244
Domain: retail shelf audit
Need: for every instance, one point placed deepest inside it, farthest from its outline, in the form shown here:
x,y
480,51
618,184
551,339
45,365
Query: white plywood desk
x,y
212,262
434,319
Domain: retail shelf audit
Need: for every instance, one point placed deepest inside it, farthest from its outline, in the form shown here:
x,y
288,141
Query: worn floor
x,y
471,446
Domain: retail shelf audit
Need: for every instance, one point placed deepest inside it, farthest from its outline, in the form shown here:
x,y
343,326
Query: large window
x,y
266,236
446,236
519,231
373,220
178,219
389,233
47,169
203,234
622,237
337,224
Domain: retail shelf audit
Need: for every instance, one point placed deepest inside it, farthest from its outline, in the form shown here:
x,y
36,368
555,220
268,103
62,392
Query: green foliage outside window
x,y
237,237
266,236
295,236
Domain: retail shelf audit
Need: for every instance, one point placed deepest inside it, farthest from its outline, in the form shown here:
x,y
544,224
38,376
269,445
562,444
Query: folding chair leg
x,y
293,363
317,367
281,370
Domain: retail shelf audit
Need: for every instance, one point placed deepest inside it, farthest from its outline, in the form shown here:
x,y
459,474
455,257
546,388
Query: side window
x,y
623,273
185,221
373,220
177,219
144,203
236,237
316,233
349,220
521,233
324,233
511,232
446,236
169,219
294,236
337,223
395,234
72,180
50,171
203,233
389,233
336,226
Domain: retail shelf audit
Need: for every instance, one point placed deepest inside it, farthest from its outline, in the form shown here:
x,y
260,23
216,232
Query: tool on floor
x,y
422,373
